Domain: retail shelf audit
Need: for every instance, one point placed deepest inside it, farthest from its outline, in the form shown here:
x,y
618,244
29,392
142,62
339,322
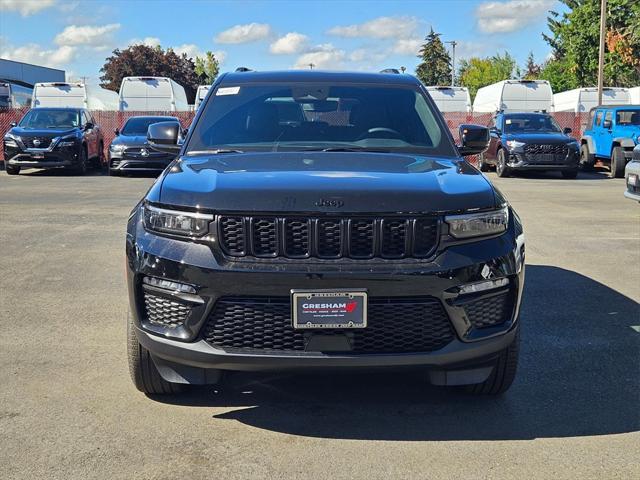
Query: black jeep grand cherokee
x,y
322,220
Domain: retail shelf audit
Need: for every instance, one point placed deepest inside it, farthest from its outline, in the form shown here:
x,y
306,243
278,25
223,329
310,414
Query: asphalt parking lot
x,y
68,409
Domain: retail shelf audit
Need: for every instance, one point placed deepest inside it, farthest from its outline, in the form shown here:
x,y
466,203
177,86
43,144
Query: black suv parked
x,y
130,152
54,138
322,220
530,141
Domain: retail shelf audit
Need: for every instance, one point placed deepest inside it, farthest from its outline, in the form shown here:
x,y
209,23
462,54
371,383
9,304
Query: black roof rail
x,y
395,71
243,69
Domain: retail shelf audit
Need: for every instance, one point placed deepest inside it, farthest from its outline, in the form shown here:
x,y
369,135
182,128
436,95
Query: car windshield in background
x,y
4,101
45,118
628,117
139,125
530,124
271,117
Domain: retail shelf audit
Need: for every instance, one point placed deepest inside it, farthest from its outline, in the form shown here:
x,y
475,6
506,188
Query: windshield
x,y
271,117
628,117
47,118
139,125
531,124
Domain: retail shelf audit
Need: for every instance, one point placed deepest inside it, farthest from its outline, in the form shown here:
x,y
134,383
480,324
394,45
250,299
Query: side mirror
x,y
117,131
474,139
636,153
13,124
88,126
163,136
607,124
567,130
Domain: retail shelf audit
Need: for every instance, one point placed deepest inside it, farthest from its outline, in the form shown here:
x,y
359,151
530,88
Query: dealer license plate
x,y
329,308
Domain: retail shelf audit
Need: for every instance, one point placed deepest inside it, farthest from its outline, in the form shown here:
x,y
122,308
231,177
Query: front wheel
x,y
12,169
618,163
482,164
143,371
501,165
81,167
587,160
503,374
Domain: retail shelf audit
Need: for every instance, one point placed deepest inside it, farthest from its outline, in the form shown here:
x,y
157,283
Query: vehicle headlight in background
x,y
187,224
69,141
515,144
11,140
478,224
117,148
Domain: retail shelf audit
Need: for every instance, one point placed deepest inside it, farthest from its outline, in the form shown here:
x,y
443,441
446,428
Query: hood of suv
x,y
42,132
130,140
323,181
546,138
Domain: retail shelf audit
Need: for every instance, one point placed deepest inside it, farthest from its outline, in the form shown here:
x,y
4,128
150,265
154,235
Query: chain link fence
x,y
110,120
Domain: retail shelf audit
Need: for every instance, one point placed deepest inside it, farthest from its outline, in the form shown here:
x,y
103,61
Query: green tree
x,y
574,39
142,60
207,68
435,67
475,72
532,69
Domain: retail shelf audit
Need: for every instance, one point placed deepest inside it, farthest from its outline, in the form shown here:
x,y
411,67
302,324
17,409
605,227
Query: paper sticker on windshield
x,y
508,121
228,91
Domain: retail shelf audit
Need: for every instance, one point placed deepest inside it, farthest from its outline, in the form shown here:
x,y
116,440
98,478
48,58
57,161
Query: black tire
x,y
482,165
501,165
616,167
12,169
112,173
587,160
144,373
503,374
81,167
570,173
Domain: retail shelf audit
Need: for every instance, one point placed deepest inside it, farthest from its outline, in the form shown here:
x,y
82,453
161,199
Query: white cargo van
x,y
14,96
74,95
634,96
515,96
200,94
451,99
584,99
152,94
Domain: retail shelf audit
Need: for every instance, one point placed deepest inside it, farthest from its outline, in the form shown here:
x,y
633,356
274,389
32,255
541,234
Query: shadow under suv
x,y
320,220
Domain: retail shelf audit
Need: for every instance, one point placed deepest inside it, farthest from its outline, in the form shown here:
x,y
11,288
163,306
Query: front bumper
x,y
154,163
190,358
59,158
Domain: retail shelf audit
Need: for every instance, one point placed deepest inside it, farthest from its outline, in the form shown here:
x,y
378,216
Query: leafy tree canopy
x,y
475,72
435,67
207,68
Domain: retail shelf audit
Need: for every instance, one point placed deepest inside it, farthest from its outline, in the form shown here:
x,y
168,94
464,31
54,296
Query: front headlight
x,y
11,140
512,144
478,224
117,148
68,141
186,224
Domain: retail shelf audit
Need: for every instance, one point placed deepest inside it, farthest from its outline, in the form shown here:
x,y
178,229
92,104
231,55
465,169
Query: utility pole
x,y
603,29
453,61
311,65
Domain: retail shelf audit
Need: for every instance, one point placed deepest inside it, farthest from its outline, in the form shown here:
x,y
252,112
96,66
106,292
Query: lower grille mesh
x,y
395,325
164,312
489,312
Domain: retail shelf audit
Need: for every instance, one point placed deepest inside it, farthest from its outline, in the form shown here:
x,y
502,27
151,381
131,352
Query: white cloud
x,y
324,56
25,7
407,46
249,32
382,27
505,17
36,54
292,42
148,41
190,49
220,55
96,35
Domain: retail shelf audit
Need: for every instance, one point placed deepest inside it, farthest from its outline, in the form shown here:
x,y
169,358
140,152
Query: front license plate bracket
x,y
329,309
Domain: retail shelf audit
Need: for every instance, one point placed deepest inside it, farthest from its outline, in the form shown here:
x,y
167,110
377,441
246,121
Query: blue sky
x,y
335,34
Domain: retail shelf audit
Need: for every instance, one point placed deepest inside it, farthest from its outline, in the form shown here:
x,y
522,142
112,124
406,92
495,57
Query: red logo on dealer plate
x,y
351,306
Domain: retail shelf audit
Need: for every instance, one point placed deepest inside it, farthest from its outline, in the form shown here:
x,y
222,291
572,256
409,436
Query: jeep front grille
x,y
266,236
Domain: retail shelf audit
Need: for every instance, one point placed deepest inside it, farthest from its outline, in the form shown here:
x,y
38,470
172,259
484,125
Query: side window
x,y
609,116
598,118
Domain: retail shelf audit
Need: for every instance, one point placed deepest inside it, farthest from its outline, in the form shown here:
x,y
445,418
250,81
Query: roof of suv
x,y
616,107
319,76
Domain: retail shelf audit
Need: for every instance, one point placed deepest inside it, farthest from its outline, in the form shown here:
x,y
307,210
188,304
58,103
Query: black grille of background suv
x,y
394,325
357,237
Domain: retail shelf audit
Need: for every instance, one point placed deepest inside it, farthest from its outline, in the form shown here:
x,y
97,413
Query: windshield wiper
x,y
216,151
346,149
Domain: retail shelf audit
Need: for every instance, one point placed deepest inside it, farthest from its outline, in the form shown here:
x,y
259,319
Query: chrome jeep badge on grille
x,y
329,203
